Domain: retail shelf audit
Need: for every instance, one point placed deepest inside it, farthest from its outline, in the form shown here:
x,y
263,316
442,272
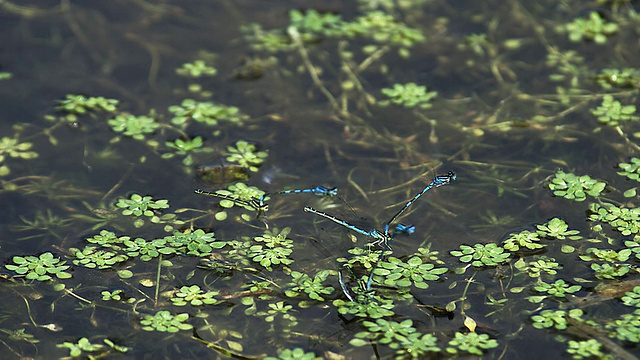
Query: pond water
x,y
114,113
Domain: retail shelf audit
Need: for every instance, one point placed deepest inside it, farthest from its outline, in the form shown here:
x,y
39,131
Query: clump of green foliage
x,y
134,126
195,296
575,187
164,321
408,95
187,148
593,28
611,112
13,148
205,112
246,155
471,343
78,105
40,268
196,69
480,255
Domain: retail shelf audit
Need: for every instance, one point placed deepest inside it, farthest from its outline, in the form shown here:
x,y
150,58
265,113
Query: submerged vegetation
x,y
109,251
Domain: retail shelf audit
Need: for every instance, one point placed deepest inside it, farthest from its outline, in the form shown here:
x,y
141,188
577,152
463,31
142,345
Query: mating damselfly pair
x,y
384,237
380,237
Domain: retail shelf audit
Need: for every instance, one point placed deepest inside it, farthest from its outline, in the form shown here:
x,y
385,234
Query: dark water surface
x,y
508,115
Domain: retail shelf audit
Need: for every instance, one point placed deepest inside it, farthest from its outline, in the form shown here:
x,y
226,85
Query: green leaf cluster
x,y
366,305
625,220
133,126
274,249
12,147
585,349
186,148
294,354
628,78
631,170
81,105
205,112
538,266
408,95
138,205
556,319
574,187
593,28
398,273
94,258
312,26
524,239
164,321
559,288
83,345
471,343
611,112
194,296
400,336
314,288
39,267
246,155
557,229
279,310
196,69
626,328
480,255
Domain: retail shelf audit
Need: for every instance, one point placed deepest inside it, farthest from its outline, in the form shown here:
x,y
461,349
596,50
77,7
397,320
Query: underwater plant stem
x,y
156,294
295,36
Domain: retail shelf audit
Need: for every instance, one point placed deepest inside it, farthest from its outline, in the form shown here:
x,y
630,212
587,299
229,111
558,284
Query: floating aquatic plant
x,y
523,240
197,242
402,337
94,258
134,126
13,148
556,319
139,206
366,305
313,287
586,349
593,28
195,296
632,298
631,169
164,321
294,354
412,272
559,288
80,104
625,220
279,310
82,346
274,249
557,229
196,69
186,148
408,95
628,78
611,112
480,255
575,187
538,266
205,112
40,267
626,328
246,155
471,343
